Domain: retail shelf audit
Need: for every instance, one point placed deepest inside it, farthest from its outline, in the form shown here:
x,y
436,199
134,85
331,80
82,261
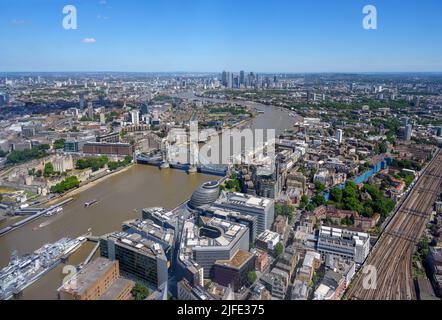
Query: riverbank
x,y
88,185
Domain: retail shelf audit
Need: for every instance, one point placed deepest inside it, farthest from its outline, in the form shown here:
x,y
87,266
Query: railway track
x,y
393,253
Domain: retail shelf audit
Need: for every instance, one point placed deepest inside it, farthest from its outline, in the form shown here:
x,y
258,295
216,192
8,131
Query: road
x,y
393,253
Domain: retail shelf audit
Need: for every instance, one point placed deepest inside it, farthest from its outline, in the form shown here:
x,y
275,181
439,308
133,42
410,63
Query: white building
x,y
339,136
63,163
343,243
270,239
135,117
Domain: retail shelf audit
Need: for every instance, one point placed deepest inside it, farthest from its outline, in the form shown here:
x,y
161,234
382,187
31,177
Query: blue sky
x,y
212,35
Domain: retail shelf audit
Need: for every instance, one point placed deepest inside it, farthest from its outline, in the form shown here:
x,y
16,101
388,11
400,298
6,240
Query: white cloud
x,y
19,22
101,17
89,40
103,2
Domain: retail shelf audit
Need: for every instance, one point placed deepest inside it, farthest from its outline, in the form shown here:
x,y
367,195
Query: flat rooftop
x,y
116,288
150,228
136,242
244,200
192,240
161,213
89,275
268,235
237,260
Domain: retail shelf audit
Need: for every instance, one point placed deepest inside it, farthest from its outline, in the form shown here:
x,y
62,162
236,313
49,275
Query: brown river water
x,y
121,197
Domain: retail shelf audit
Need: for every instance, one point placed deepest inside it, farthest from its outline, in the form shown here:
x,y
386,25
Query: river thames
x,y
120,197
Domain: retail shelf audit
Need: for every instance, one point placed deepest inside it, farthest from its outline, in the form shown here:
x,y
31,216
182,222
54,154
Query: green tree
x,y
66,185
94,163
285,210
279,249
336,195
59,144
233,185
304,201
319,200
17,157
251,277
310,207
319,186
140,292
48,170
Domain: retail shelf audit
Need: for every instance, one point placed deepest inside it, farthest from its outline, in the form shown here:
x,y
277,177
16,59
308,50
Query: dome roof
x,y
206,194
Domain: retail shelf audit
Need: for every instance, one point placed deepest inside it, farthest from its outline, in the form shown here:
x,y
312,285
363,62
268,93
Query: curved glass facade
x,y
206,194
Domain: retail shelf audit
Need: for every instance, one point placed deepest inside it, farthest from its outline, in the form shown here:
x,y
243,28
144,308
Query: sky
x,y
215,35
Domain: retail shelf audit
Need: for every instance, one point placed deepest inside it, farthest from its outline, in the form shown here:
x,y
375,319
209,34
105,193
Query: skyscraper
x,y
224,78
90,110
242,78
3,99
135,117
408,130
82,103
339,135
102,118
229,80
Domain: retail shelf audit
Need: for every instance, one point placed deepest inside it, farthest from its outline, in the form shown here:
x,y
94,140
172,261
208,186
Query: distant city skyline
x,y
277,36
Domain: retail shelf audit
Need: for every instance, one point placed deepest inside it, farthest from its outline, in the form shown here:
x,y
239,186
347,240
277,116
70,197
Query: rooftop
x,y
116,288
88,276
223,234
244,200
136,242
237,260
153,230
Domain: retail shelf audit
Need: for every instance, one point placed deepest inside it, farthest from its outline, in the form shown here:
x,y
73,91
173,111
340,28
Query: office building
x,y
339,136
140,259
242,78
234,272
162,217
262,208
211,240
99,279
206,194
100,148
102,119
248,220
343,243
151,231
188,292
3,99
408,130
90,110
109,138
82,102
331,287
268,240
300,290
269,182
135,117
276,282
